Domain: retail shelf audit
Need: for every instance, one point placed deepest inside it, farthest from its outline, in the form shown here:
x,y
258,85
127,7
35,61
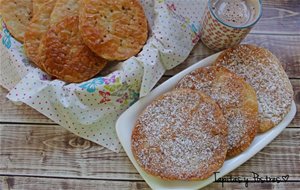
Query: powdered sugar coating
x,y
182,135
263,71
235,97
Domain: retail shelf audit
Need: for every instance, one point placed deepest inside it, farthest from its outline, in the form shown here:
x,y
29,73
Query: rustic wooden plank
x,y
36,183
286,48
296,87
279,17
51,151
9,112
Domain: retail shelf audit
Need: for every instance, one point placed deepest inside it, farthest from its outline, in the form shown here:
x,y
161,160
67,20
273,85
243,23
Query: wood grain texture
x,y
9,112
51,151
36,183
279,17
254,186
286,48
296,88
36,155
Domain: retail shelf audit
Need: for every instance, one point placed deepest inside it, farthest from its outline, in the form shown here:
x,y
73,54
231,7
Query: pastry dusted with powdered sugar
x,y
182,135
263,71
236,98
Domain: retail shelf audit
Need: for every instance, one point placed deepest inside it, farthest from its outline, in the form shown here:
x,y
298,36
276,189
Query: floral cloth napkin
x,y
90,109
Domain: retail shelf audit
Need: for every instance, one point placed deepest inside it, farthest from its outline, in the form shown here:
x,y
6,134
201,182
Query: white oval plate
x,y
126,122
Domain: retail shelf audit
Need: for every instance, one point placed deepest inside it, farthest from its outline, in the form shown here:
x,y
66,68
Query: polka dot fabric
x,y
13,63
90,109
174,33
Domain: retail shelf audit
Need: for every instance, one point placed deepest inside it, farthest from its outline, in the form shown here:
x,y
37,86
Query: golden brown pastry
x,y
64,8
66,56
37,5
16,14
263,71
36,30
236,98
114,30
182,135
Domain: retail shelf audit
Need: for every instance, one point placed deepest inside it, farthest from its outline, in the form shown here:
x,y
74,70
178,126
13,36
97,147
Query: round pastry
x,y
114,30
36,30
16,14
66,56
64,8
236,98
263,71
37,5
182,135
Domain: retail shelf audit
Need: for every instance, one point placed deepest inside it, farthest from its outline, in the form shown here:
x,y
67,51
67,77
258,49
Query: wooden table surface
x,y
36,153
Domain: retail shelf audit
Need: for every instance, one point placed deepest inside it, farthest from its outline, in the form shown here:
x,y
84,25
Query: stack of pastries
x,y
212,114
73,40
